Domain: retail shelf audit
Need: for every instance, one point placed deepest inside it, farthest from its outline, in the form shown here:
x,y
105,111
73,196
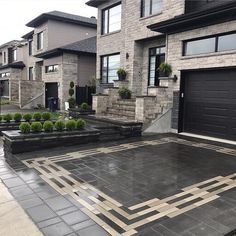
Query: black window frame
x,y
39,42
31,73
101,66
30,47
142,13
216,36
4,57
149,63
53,71
103,18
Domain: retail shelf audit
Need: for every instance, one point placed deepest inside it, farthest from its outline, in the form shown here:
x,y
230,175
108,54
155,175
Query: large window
x,y
40,40
111,19
51,68
31,74
14,53
110,65
30,47
216,43
156,57
151,7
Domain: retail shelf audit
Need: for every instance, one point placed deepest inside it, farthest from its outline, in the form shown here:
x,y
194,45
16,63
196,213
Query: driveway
x,y
155,185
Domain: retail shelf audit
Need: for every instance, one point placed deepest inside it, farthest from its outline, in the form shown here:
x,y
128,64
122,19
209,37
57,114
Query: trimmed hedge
x,y
60,125
71,125
37,116
48,126
7,117
46,116
27,117
36,127
17,117
80,124
25,127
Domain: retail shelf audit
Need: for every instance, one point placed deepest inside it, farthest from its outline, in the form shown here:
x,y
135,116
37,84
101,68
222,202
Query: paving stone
x,y
162,230
40,213
21,192
67,210
59,229
83,224
93,230
47,193
51,221
13,182
74,217
228,218
28,203
58,203
205,230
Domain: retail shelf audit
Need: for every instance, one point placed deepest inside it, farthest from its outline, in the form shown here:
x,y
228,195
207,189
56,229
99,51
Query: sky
x,y
16,13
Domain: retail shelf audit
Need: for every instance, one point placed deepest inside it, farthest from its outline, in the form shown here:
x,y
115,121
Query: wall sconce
x,y
175,78
127,55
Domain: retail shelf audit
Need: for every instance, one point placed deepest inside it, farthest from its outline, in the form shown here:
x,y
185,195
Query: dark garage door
x,y
210,103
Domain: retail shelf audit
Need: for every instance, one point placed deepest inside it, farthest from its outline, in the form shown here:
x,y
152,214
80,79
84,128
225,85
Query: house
x,y
61,48
197,38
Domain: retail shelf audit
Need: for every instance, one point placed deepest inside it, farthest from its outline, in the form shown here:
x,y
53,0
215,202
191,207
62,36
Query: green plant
x,y
36,127
72,84
60,125
80,124
84,106
72,102
71,92
121,74
25,127
7,117
48,126
37,116
71,125
46,115
165,69
124,93
27,117
0,118
17,117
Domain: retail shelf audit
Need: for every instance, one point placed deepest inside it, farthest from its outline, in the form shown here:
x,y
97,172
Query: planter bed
x,y
78,112
16,142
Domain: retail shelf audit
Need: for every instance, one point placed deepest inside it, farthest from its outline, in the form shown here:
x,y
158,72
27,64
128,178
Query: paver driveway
x,y
157,185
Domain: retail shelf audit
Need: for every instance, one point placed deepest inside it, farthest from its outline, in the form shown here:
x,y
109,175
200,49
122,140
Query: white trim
x,y
209,138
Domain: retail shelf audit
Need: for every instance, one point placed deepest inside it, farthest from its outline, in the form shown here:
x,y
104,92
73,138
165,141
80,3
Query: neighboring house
x,y
196,37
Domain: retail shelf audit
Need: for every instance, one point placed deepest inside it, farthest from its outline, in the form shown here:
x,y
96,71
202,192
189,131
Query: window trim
x,y
103,18
101,65
142,15
216,36
30,47
38,40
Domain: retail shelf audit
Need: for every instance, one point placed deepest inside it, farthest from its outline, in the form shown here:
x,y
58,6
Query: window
x,y
31,73
51,68
30,47
4,57
156,57
111,19
14,54
40,41
3,75
216,43
110,64
151,7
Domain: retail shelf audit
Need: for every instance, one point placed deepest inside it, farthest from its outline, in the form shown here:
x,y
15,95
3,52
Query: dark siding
x,y
175,110
193,5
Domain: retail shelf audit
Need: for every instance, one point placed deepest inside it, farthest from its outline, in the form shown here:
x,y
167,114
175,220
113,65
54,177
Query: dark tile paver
x,y
58,203
75,217
92,230
59,229
205,230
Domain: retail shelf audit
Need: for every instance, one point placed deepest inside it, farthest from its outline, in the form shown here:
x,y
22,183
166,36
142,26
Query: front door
x,y
51,90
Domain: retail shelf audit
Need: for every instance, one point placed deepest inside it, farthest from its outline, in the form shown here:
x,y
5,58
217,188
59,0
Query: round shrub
x,y
46,116
124,93
0,118
48,126
25,127
27,117
37,116
84,106
71,92
7,117
72,102
71,125
36,127
72,84
60,125
17,117
80,124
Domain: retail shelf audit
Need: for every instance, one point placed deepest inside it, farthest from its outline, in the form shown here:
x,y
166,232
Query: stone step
x,y
114,114
122,108
120,112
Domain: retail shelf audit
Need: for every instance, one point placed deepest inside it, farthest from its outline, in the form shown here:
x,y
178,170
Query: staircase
x,y
122,108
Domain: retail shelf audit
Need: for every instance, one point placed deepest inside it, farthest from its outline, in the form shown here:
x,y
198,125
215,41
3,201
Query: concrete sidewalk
x,y
13,220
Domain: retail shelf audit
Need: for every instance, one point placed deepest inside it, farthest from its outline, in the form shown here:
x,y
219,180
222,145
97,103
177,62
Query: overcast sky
x,y
15,14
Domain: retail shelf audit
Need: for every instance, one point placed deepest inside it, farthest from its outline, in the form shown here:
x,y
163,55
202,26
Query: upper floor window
x,y
3,75
111,19
216,43
31,73
110,64
151,7
14,54
30,47
51,68
40,40
4,57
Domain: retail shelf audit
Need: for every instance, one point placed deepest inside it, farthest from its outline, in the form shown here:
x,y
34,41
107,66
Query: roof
x,y
95,3
17,65
216,15
10,43
86,46
29,35
65,17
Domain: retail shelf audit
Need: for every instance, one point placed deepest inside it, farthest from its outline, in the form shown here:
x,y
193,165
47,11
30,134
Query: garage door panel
x,y
210,103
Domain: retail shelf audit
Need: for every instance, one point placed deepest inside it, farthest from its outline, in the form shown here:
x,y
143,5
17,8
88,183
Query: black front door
x,y
210,103
51,90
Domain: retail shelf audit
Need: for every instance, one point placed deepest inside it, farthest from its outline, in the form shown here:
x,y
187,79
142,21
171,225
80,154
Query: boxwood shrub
x,y
71,125
7,117
37,116
17,117
80,124
27,117
25,127
36,127
46,116
60,125
48,126
84,106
